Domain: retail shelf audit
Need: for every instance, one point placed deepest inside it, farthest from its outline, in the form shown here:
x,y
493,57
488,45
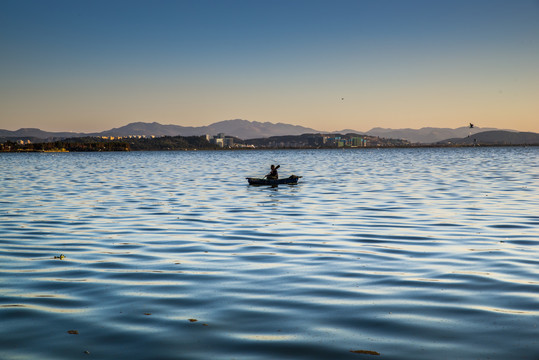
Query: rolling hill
x,y
496,137
426,135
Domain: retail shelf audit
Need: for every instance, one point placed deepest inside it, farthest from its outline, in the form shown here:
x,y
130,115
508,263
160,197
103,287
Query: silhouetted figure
x,y
273,175
471,126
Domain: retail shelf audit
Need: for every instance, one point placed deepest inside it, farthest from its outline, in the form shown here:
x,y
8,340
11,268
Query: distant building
x,y
358,141
228,142
221,140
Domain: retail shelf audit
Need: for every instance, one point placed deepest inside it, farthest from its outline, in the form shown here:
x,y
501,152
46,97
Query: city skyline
x,y
88,66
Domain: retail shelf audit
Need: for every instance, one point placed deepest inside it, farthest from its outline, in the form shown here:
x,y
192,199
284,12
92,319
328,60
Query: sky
x,y
91,65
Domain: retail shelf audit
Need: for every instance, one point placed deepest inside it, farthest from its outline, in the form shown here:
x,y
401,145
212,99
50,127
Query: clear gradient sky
x,y
90,65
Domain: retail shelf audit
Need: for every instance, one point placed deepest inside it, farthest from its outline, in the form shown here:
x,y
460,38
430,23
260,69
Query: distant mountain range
x,y
245,129
242,129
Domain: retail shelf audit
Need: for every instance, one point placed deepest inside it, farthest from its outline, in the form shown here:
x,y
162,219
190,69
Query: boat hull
x,y
292,180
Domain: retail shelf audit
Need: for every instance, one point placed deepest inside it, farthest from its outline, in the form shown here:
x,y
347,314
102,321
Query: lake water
x,y
375,254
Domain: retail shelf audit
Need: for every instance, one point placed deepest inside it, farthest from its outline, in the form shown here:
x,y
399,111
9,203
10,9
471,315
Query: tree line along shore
x,y
305,141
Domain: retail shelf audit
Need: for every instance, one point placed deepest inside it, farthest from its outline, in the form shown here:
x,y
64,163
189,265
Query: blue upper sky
x,y
92,65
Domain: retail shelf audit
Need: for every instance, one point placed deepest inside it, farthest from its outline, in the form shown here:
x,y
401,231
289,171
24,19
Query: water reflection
x,y
411,253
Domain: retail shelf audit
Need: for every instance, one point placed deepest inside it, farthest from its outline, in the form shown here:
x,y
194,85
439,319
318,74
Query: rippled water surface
x,y
375,254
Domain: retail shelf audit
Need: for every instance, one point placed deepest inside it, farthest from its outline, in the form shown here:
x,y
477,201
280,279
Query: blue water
x,y
405,253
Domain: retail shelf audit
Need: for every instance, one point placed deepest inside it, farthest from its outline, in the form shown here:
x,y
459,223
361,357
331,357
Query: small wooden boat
x,y
292,180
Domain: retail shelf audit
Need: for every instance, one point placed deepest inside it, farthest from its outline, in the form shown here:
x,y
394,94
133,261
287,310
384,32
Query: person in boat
x,y
273,175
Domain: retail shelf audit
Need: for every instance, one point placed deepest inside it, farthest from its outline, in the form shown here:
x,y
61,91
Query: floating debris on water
x,y
368,352
193,320
73,332
147,314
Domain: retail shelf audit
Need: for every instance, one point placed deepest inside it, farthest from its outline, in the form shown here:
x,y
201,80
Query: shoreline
x,y
419,146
